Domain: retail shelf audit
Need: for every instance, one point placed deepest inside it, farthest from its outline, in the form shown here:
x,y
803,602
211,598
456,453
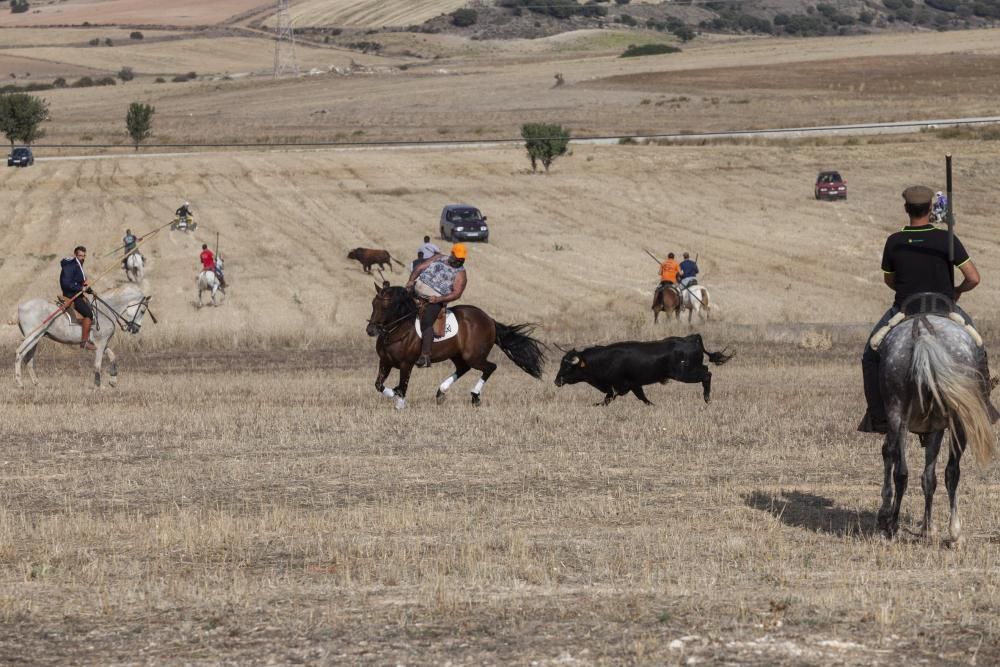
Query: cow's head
x,y
572,369
353,254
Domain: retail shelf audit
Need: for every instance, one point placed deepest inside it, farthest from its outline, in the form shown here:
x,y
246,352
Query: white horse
x,y
694,299
209,282
124,306
134,267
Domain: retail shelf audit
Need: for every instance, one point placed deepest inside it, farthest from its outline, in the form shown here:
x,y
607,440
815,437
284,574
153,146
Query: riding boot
x,y
85,343
875,420
425,347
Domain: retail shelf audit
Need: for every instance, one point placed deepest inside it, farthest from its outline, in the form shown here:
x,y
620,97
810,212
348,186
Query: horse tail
x,y
704,298
526,352
717,358
956,390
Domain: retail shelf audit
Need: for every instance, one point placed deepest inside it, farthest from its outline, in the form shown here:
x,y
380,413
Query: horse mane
x,y
401,306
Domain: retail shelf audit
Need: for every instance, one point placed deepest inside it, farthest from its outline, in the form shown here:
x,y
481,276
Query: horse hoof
x,y
441,396
475,400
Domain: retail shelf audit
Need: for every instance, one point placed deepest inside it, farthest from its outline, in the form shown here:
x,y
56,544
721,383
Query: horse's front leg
x,y
384,368
405,369
113,372
98,361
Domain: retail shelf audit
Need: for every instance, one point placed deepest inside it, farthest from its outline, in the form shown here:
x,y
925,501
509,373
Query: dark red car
x,y
829,185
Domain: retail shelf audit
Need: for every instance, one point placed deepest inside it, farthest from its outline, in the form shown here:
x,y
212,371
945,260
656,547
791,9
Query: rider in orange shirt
x,y
669,271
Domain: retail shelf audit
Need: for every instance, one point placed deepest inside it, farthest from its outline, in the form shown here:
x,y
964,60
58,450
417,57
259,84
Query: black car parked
x,y
461,222
20,157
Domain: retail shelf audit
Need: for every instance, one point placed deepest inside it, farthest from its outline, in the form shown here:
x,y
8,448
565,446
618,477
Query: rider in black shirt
x,y
915,260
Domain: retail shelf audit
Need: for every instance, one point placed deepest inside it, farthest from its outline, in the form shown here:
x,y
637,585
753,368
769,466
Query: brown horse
x,y
393,315
667,300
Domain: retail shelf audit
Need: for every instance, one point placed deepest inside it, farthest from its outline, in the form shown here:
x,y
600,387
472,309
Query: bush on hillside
x,y
634,50
135,35
463,18
126,73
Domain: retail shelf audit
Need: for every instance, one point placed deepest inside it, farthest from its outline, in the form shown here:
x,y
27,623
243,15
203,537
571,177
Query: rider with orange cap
x,y
438,280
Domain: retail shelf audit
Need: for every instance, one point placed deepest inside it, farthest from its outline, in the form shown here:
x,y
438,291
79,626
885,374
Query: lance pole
x,y
655,258
950,212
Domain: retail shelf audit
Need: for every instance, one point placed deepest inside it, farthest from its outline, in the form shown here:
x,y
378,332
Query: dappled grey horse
x,y
930,381
122,307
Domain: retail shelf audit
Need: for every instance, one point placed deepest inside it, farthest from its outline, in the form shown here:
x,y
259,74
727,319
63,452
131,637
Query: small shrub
x,y
95,42
159,79
634,51
627,19
83,82
108,42
191,76
19,6
180,78
105,81
59,83
135,35
126,73
463,18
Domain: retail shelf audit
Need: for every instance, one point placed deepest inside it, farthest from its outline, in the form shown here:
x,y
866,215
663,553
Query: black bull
x,y
619,368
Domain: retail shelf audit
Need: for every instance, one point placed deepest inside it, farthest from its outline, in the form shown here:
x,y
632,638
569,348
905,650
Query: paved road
x,y
900,127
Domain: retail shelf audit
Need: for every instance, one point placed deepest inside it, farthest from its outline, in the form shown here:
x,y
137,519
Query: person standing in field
x,y
428,249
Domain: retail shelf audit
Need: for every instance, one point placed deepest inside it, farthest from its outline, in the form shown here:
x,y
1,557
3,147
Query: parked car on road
x,y
20,157
461,222
829,185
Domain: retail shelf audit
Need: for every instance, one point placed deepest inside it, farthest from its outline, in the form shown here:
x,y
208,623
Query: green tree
x,y
544,143
126,73
139,121
19,6
21,117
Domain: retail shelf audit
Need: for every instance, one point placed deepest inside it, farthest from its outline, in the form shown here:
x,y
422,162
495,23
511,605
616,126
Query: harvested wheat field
x,y
244,496
128,12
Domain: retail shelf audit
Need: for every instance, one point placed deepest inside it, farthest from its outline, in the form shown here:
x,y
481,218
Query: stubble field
x,y
245,496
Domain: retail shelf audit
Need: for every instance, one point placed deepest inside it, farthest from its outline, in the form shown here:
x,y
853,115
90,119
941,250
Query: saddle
x,y
74,317
921,304
439,323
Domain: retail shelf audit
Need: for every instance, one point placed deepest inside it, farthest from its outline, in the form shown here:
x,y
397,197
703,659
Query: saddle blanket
x,y
450,328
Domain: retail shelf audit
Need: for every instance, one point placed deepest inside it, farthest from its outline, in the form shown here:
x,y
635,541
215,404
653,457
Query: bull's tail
x,y
397,262
526,352
956,390
717,358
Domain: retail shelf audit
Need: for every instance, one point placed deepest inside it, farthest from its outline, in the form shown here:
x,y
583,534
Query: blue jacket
x,y
71,277
689,268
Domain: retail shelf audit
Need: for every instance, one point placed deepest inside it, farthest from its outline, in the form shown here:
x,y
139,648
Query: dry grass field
x,y
712,86
368,13
128,12
244,496
165,522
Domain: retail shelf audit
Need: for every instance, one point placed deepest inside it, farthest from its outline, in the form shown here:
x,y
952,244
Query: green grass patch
x,y
636,50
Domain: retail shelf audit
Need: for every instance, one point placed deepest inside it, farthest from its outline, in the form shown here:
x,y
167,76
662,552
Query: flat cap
x,y
918,194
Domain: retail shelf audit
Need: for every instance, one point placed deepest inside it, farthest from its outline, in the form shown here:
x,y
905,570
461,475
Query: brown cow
x,y
370,256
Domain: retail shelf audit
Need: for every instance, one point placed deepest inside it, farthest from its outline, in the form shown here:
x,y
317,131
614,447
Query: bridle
x,y
130,325
385,329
